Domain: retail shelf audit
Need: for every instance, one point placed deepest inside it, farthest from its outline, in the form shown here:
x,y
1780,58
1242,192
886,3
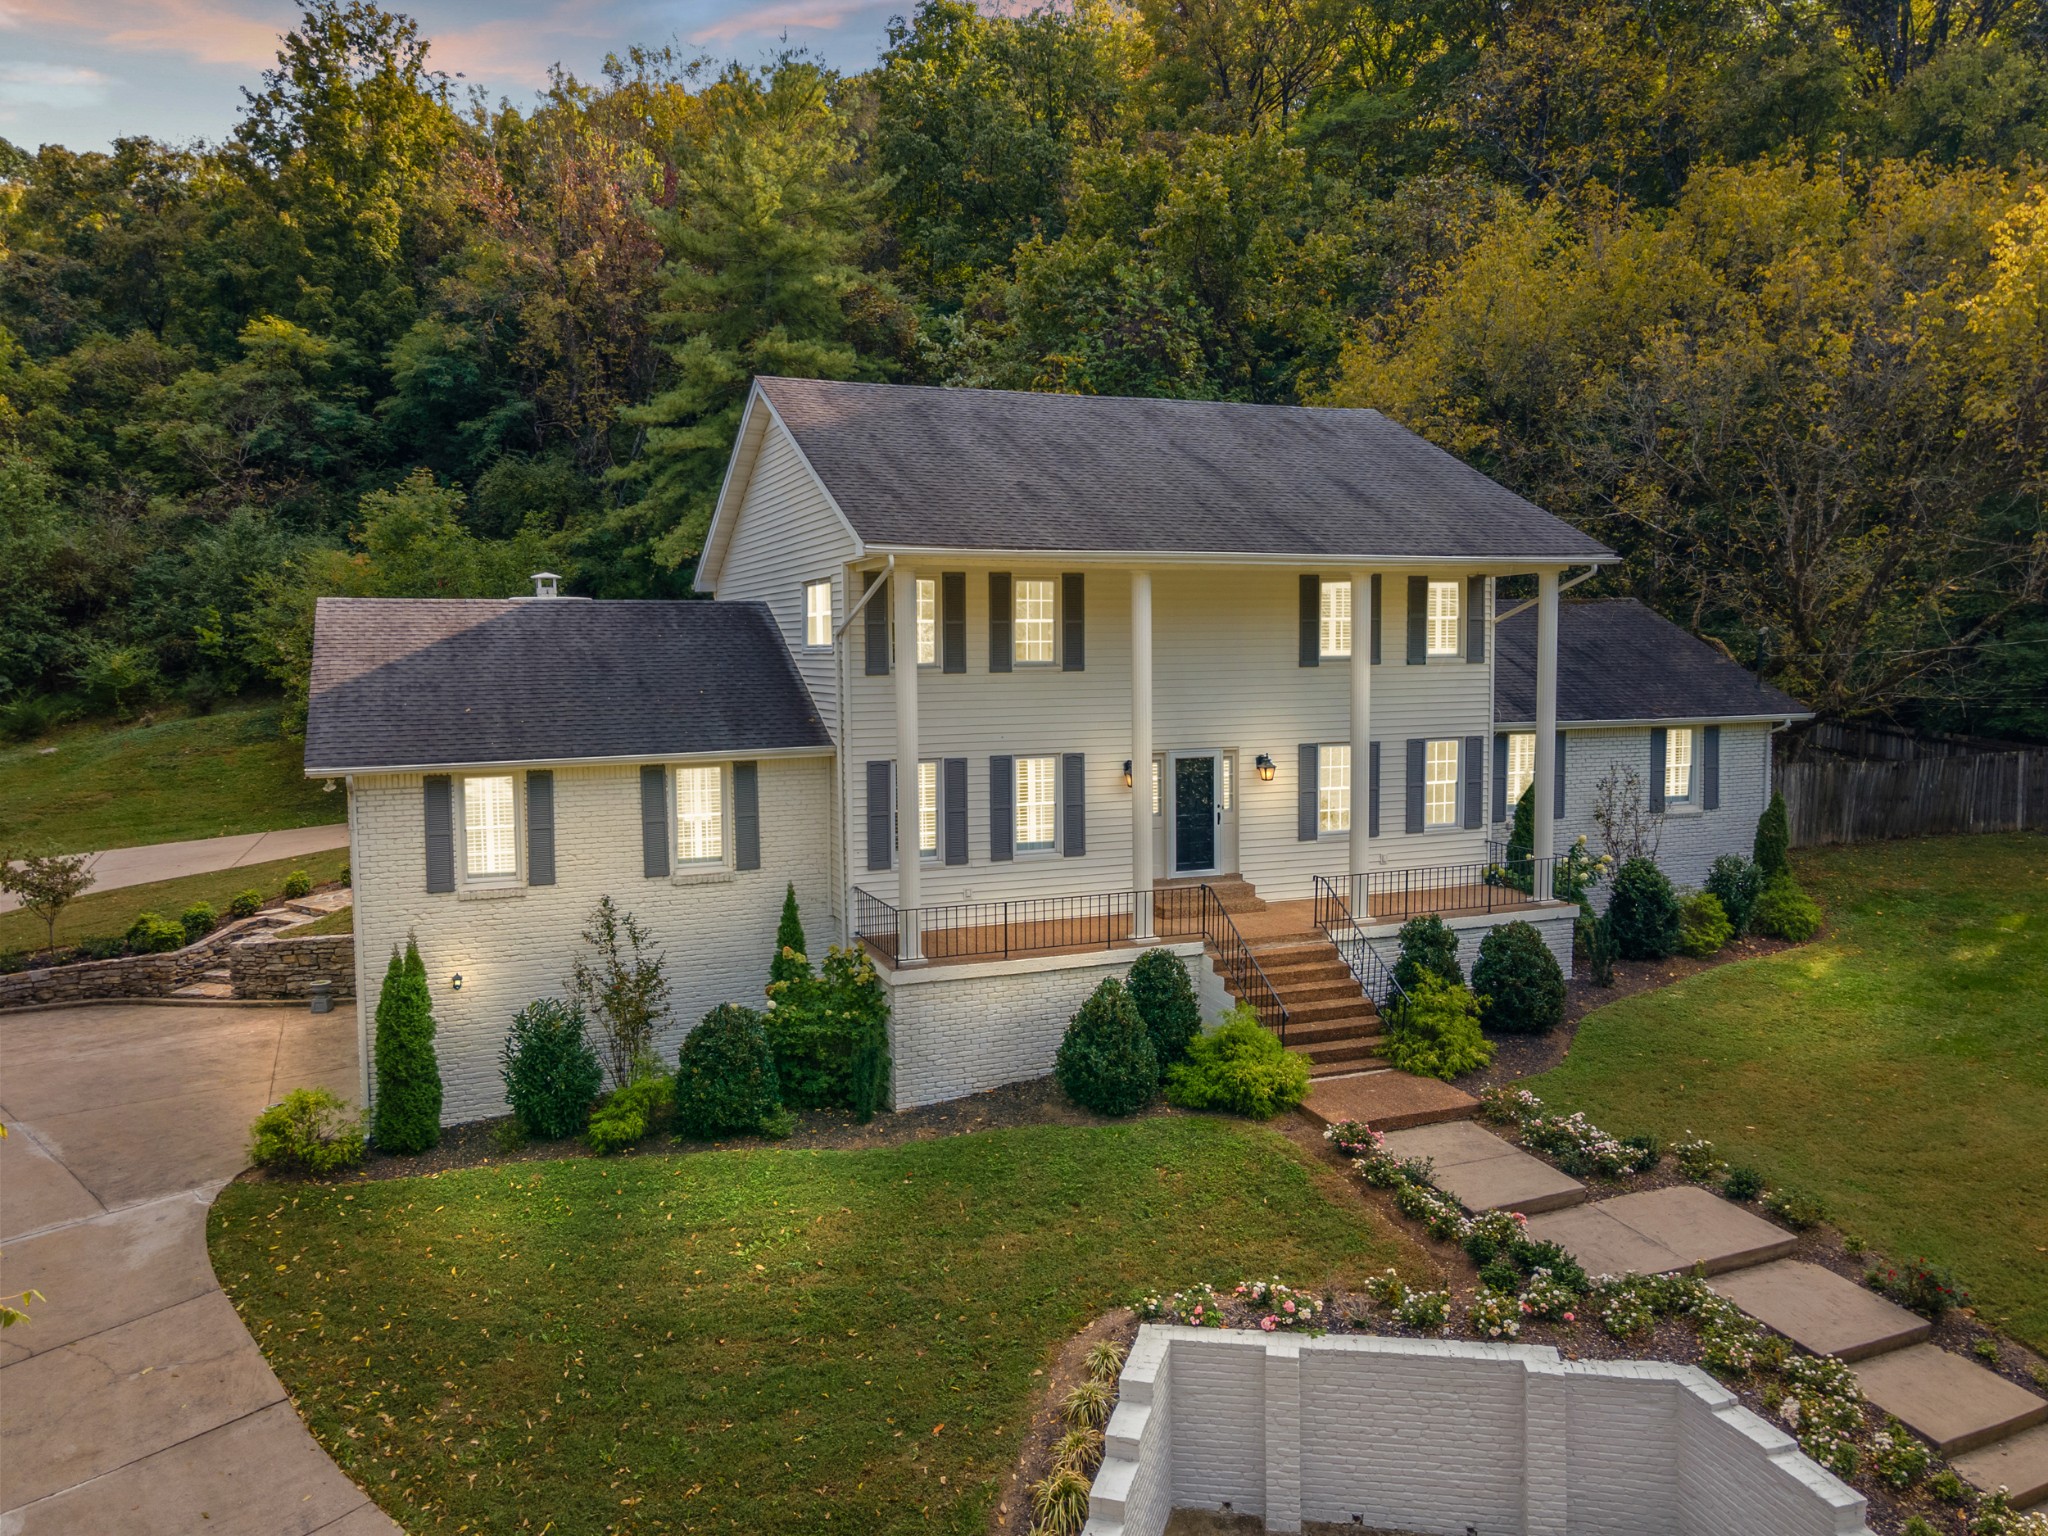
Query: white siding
x,y
515,947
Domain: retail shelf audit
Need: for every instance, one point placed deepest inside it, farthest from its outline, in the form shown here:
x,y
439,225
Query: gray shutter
x,y
1658,748
1474,766
1414,786
1311,622
1074,804
1002,808
877,627
1073,622
953,621
1475,618
1418,620
1372,786
746,815
1377,604
540,827
1309,775
1710,768
1500,776
653,820
881,808
953,805
1001,616
1557,779
438,795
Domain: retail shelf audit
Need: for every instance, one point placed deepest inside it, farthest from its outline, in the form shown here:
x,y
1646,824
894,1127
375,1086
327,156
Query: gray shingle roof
x,y
419,682
1617,660
992,469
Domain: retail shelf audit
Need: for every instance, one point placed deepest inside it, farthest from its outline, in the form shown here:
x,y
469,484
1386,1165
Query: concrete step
x,y
1664,1231
1329,1071
1386,1100
1293,992
1330,969
1330,1010
1954,1404
205,989
1820,1311
1483,1172
1323,1034
2018,1463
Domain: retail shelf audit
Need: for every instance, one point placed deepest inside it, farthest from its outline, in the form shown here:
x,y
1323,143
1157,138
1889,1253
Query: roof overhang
x,y
1782,717
518,764
1505,564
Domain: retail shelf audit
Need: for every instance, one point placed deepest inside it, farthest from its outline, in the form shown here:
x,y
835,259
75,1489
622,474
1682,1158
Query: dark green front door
x,y
1194,814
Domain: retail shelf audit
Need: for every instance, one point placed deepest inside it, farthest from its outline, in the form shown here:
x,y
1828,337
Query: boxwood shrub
x,y
1736,883
1703,925
725,1076
1106,1062
154,934
551,1073
1519,981
1164,996
1643,912
310,1131
198,920
1428,945
1784,911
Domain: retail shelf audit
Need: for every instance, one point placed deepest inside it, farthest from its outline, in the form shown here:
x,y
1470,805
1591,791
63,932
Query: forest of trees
x,y
1757,294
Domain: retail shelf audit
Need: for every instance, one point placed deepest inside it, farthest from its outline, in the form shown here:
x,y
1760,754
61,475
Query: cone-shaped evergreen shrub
x,y
1773,839
1643,912
791,962
1519,981
1427,945
1106,1062
725,1076
551,1074
1165,999
1520,872
407,1117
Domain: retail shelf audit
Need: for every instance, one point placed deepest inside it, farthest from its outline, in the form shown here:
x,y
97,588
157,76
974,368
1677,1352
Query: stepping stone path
x,y
1993,1432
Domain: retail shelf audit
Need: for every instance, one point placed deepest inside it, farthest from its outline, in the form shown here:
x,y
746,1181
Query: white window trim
x,y
1456,621
809,588
1327,620
1515,795
1456,820
938,640
1158,772
1336,821
679,866
464,879
1017,580
1018,850
1690,799
930,855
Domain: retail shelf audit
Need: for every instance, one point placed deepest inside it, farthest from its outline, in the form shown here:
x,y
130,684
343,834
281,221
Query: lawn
x,y
751,1341
1897,1066
197,776
107,914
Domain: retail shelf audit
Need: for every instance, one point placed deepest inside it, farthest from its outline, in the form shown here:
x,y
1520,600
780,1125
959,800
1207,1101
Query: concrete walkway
x,y
134,1400
116,867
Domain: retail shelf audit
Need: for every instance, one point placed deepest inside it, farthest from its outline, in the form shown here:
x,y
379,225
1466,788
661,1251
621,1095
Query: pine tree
x,y
792,958
1773,839
407,1116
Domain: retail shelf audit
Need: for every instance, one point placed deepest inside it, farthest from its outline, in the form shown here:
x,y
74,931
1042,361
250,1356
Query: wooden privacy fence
x,y
1846,800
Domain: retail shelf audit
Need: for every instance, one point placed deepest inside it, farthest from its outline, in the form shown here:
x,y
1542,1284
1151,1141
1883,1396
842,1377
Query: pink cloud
x,y
207,33
774,16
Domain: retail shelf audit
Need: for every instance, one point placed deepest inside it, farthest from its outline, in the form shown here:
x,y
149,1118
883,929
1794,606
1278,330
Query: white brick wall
x,y
1437,1436
960,1029
516,946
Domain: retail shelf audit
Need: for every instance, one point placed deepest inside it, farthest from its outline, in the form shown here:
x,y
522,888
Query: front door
x,y
1194,814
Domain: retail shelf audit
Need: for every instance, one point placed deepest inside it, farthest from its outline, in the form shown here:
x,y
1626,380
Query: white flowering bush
x,y
1279,1306
1199,1306
1579,1146
1508,1106
1995,1516
1897,1459
1424,1311
1544,1300
1698,1161
1494,1316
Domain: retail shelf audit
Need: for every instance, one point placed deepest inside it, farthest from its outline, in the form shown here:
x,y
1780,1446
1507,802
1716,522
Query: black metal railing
x,y
1370,968
1395,895
1242,974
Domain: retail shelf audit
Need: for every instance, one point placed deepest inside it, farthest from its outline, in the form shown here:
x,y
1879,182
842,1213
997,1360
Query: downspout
x,y
840,661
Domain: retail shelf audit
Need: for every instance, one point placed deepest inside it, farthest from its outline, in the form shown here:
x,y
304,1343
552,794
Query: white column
x,y
1545,828
1141,752
1361,719
903,600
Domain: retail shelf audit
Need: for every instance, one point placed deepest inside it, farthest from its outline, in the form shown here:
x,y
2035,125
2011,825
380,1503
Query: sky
x,y
85,72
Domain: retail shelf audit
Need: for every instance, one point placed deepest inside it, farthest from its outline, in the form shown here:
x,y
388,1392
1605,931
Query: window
x,y
1033,628
928,806
1521,766
1336,618
700,815
1333,787
1228,773
1155,786
817,613
1678,764
1037,801
1440,784
489,828
927,623
1443,618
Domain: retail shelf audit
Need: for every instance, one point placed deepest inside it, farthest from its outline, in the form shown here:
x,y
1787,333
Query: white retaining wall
x,y
1438,1436
961,1029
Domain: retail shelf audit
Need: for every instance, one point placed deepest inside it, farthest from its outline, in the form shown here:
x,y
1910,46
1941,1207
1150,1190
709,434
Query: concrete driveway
x,y
113,868
134,1400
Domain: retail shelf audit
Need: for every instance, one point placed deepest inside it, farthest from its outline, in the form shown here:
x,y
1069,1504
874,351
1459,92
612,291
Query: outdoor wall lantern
x,y
455,981
1265,767
1127,773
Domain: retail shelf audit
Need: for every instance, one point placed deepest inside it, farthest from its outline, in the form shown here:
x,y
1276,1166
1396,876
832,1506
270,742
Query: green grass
x,y
119,786
107,914
747,1341
1897,1067
343,921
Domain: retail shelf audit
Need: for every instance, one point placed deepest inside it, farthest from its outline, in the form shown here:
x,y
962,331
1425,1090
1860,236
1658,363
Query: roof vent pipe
x,y
545,584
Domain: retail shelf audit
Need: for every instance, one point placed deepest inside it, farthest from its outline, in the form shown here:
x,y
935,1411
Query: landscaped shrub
x,y
246,903
623,989
407,1111
1703,925
830,1034
1595,939
1433,1031
1519,873
1742,1185
198,920
1427,945
551,1073
633,1113
725,1076
1165,999
1795,1208
296,884
790,961
1520,980
1786,912
1773,846
1919,1286
1736,883
1642,914
153,934
310,1131
1105,1061
1241,1068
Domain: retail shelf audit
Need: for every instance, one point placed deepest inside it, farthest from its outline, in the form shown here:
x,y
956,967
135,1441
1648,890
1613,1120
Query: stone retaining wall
x,y
284,966
95,980
1439,1436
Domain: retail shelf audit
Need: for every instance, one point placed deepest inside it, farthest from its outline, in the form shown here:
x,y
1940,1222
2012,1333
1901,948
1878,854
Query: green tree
x,y
406,1116
791,961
